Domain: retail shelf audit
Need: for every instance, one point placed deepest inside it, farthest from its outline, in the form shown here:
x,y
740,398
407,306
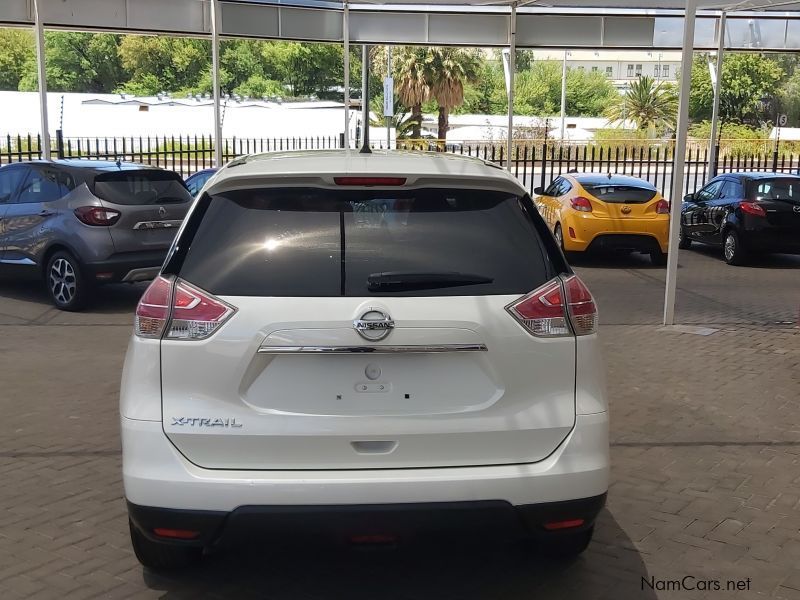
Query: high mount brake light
x,y
192,314
370,181
544,312
581,204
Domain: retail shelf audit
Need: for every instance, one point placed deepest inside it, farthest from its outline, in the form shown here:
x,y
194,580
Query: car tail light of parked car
x,y
581,204
97,215
662,207
191,313
753,208
544,313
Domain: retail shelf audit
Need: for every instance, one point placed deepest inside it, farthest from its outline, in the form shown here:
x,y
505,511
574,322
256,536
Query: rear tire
x,y
684,243
66,284
732,249
658,258
160,556
558,233
567,545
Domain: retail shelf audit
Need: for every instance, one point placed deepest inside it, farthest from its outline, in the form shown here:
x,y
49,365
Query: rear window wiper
x,y
395,281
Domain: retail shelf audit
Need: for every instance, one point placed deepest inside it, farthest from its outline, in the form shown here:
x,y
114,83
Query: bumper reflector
x,y
556,525
176,534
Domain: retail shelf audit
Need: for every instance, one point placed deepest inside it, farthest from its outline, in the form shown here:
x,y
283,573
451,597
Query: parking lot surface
x,y
705,460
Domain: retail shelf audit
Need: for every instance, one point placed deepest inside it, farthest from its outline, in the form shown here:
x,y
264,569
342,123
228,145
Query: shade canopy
x,y
592,24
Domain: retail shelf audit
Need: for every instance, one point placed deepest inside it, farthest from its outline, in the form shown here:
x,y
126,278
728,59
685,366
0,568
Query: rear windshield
x,y
614,194
318,242
141,187
775,189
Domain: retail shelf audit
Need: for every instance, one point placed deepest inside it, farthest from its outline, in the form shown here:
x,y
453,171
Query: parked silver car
x,y
77,223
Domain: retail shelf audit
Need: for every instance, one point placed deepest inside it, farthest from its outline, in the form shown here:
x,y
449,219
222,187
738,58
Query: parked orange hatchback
x,y
590,212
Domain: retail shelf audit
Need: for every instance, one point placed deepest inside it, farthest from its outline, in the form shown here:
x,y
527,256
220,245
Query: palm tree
x,y
446,71
412,87
648,104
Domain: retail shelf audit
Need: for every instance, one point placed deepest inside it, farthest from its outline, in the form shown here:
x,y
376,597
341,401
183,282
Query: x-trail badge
x,y
374,325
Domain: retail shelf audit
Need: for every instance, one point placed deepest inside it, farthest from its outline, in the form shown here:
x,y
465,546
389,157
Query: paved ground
x,y
705,475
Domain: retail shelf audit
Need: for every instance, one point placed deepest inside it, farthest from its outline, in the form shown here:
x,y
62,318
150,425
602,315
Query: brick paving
x,y
705,461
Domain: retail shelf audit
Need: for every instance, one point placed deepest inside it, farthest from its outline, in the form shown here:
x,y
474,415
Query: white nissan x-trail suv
x,y
362,345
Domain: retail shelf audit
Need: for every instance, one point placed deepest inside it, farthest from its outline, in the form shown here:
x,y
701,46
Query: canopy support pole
x,y
563,95
346,37
365,149
218,158
512,56
712,153
679,160
40,67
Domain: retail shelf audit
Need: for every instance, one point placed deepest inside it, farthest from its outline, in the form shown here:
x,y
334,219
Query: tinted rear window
x,y
776,189
141,187
317,242
616,194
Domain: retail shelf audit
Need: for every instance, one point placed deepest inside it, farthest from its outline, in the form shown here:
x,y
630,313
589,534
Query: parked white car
x,y
354,343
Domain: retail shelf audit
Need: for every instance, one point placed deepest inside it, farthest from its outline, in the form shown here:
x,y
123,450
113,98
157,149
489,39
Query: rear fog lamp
x,y
176,534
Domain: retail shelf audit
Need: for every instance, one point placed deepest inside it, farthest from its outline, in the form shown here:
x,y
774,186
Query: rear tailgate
x,y
152,204
289,383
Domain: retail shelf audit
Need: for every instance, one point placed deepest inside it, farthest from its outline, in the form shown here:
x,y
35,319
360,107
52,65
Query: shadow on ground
x,y
113,298
610,568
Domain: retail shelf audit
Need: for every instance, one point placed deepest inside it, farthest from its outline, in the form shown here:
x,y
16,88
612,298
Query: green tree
x,y
486,95
746,77
258,86
160,63
17,53
446,71
79,62
411,85
650,105
538,91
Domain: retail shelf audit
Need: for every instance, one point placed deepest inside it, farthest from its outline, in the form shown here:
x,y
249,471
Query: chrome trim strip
x,y
149,225
424,349
17,261
141,274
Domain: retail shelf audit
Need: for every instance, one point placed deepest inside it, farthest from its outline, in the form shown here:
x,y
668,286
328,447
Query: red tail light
x,y
192,313
662,207
581,204
545,313
753,208
152,311
370,181
581,305
97,215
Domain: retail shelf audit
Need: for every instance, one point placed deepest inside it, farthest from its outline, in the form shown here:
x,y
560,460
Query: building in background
x,y
622,67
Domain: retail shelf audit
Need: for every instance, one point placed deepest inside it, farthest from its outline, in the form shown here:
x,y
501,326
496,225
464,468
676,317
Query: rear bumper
x,y
127,266
583,232
155,474
772,240
494,517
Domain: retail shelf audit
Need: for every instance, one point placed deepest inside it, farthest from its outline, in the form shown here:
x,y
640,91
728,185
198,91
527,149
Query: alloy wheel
x,y
730,246
63,281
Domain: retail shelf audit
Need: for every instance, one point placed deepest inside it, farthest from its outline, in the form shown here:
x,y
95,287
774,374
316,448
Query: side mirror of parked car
x,y
538,190
688,198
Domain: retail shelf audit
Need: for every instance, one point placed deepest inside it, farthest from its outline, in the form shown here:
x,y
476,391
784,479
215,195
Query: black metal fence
x,y
534,162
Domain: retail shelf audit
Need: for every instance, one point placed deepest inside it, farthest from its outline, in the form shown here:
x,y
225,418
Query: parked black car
x,y
744,213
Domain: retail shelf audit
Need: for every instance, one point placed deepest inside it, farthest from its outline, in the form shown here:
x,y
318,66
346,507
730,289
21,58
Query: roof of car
x,y
94,165
610,179
759,175
320,163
